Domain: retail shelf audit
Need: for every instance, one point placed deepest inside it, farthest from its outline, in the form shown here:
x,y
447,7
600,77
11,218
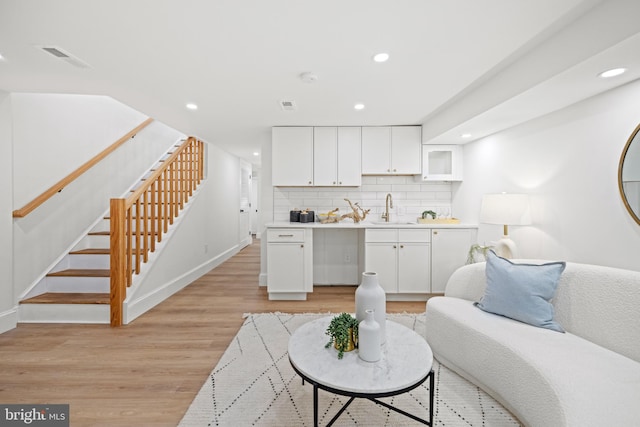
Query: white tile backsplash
x,y
410,199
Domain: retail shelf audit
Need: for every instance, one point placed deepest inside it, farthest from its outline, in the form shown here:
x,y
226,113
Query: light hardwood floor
x,y
147,373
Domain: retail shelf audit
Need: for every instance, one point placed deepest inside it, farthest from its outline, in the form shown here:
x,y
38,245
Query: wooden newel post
x,y
118,260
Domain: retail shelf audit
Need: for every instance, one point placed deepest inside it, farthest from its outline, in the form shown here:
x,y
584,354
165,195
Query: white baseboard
x,y
8,320
262,279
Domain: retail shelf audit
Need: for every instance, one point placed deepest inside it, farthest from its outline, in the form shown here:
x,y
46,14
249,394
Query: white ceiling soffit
x,y
566,88
551,75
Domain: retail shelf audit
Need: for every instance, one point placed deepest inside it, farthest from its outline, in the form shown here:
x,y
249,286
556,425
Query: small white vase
x,y
371,296
369,348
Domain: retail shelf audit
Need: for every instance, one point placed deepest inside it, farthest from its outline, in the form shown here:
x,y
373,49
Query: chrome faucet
x,y
388,203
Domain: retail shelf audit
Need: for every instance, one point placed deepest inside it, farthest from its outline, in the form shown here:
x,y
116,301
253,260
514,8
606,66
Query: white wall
x,y
86,124
8,316
568,162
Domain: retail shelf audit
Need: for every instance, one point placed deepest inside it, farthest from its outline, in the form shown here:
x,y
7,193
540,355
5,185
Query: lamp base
x,y
506,248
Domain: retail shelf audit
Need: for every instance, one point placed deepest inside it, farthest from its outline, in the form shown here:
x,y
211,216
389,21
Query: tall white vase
x,y
371,296
369,348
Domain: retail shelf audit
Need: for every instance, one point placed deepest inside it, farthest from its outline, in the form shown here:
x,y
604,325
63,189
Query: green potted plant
x,y
425,214
343,330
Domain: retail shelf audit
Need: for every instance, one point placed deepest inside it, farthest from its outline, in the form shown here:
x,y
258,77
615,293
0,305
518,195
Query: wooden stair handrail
x,y
32,205
140,220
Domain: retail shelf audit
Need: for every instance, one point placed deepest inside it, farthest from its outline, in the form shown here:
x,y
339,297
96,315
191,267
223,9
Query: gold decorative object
x,y
358,213
329,217
350,345
438,221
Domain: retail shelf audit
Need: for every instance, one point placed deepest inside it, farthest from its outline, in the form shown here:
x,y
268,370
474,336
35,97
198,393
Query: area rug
x,y
254,385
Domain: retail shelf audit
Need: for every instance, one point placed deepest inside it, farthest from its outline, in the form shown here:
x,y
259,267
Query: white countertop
x,y
365,224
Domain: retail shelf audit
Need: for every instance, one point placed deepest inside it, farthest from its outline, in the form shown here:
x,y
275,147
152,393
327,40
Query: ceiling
x,y
456,66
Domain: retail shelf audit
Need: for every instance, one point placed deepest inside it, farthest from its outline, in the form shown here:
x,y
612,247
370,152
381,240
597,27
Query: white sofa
x,y
588,376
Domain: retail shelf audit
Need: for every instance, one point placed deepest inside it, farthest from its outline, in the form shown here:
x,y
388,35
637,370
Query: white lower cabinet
x,y
450,250
401,257
289,263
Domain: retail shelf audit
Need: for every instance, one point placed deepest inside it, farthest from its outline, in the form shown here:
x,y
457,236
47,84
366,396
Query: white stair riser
x,y
84,261
96,242
78,284
64,313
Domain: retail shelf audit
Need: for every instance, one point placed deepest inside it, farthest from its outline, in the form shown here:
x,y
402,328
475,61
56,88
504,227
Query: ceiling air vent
x,y
288,105
65,56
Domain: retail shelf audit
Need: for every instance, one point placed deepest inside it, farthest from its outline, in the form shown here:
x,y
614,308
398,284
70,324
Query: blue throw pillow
x,y
522,291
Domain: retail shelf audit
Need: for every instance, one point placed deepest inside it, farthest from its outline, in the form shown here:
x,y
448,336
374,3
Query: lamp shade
x,y
505,209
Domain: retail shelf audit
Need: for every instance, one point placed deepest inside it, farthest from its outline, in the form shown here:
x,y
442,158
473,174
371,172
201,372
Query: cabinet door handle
x,y
302,246
394,169
394,246
285,235
401,246
340,183
334,183
435,232
309,182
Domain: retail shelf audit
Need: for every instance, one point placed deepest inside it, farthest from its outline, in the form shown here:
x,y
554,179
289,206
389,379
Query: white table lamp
x,y
505,209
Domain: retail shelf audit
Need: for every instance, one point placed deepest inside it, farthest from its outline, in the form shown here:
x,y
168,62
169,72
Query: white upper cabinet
x,y
376,150
292,156
349,156
325,153
405,149
442,163
391,150
336,156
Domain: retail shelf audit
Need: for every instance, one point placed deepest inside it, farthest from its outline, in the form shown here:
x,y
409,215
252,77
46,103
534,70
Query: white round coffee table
x,y
405,364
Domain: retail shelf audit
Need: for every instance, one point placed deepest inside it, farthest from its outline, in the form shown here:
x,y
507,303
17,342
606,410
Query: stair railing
x,y
139,221
60,185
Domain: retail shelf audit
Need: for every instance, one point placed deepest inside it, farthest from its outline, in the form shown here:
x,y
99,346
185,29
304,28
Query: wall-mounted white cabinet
x,y
401,257
441,163
450,248
337,156
391,150
292,156
316,156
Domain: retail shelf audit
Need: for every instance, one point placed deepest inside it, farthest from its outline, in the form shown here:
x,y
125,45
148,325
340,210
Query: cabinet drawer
x,y
385,235
421,235
285,235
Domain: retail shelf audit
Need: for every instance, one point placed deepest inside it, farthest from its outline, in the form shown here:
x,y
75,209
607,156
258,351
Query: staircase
x,y
78,288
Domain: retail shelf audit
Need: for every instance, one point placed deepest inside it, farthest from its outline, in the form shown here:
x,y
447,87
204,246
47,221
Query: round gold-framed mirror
x,y
629,175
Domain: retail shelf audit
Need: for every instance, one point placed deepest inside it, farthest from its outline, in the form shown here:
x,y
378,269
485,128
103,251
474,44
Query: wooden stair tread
x,y
91,251
81,272
68,298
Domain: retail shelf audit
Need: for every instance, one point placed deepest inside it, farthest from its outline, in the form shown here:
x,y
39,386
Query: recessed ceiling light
x,y
255,153
359,106
466,135
612,73
381,57
1,57
191,106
